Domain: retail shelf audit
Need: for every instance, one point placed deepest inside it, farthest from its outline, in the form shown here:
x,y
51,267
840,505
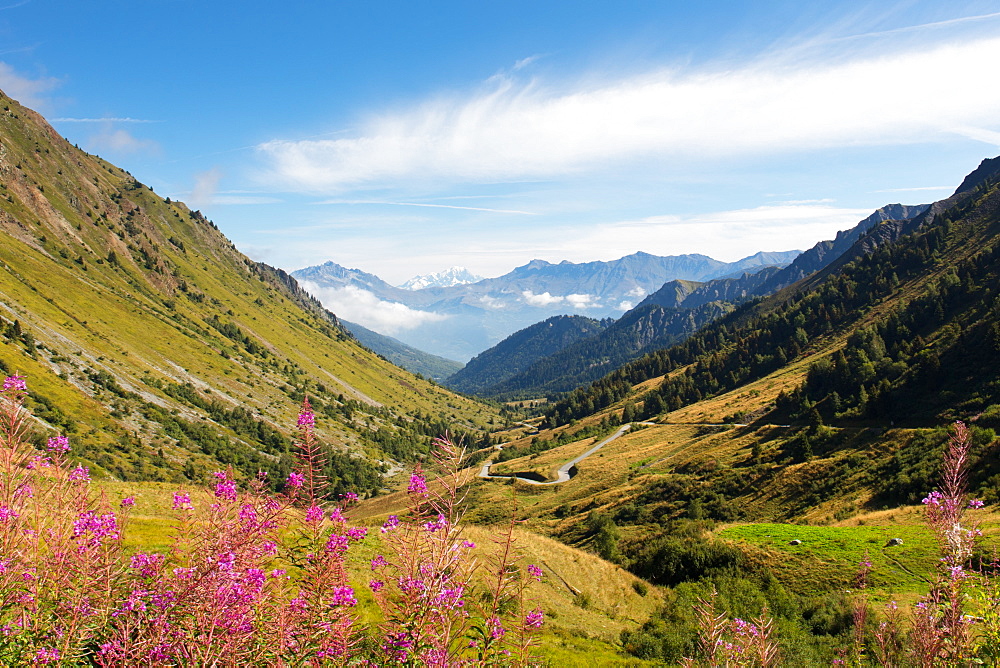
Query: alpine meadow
x,y
776,458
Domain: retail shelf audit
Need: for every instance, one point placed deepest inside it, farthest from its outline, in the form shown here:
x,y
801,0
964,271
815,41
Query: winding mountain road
x,y
564,473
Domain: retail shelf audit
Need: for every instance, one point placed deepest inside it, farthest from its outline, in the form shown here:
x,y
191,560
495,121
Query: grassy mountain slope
x,y
930,291
402,355
640,330
679,308
160,348
521,350
827,400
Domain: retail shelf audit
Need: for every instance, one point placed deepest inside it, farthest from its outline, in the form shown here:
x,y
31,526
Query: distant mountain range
x,y
459,321
517,366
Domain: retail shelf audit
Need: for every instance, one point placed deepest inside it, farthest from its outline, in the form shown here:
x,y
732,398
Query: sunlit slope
x,y
159,346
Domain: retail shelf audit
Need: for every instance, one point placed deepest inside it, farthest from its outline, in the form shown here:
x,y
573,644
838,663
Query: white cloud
x,y
360,306
492,302
725,235
582,301
637,291
120,142
517,130
29,92
625,306
979,134
544,299
206,185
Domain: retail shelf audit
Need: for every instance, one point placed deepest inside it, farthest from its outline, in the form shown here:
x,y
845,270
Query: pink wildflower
x,y
376,585
390,524
417,484
307,419
128,502
534,619
47,655
357,533
6,514
182,501
225,488
314,514
343,596
496,628
976,503
15,383
58,444
80,474
295,480
440,523
379,561
535,572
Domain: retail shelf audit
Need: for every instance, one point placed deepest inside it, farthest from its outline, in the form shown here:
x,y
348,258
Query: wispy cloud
x,y
109,119
432,206
915,189
948,23
206,185
979,134
729,234
29,92
516,130
118,141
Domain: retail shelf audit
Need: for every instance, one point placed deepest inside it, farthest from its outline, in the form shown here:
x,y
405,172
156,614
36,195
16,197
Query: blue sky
x,y
406,137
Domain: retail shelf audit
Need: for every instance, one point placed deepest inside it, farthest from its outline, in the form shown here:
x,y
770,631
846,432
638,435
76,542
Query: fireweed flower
x,y
440,523
147,564
295,480
976,503
58,444
376,585
417,484
357,533
225,488
343,596
314,514
535,572
496,629
182,501
128,502
390,524
47,655
379,561
534,619
468,544
15,383
80,474
933,499
6,514
337,515
307,420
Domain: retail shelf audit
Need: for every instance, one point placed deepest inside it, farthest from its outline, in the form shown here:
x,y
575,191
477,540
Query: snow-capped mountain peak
x,y
442,279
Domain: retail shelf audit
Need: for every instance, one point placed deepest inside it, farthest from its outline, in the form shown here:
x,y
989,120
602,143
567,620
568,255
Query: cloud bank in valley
x,y
356,305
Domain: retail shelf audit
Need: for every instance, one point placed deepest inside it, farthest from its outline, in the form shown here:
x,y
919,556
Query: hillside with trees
x,y
163,351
